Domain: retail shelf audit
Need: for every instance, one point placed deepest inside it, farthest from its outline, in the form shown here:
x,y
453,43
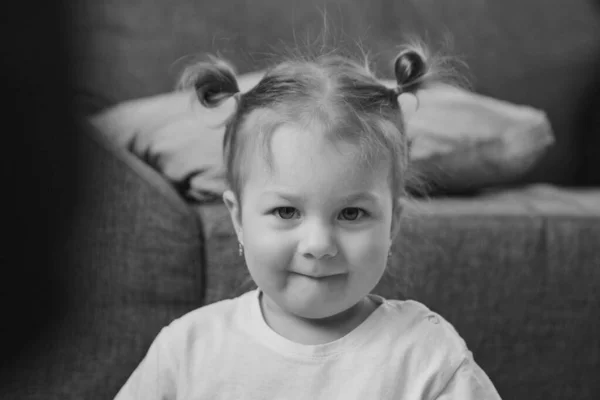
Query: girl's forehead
x,y
296,142
306,159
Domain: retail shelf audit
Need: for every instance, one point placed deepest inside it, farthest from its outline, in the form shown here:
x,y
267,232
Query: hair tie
x,y
394,93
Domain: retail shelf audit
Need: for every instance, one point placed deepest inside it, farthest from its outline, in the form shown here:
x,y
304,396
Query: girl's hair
x,y
330,94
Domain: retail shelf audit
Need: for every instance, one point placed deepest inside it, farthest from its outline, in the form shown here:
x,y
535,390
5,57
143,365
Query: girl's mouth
x,y
320,277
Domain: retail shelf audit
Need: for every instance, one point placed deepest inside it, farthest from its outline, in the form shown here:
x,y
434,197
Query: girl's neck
x,y
313,332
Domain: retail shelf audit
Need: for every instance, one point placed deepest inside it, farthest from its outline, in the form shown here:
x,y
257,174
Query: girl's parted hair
x,y
332,94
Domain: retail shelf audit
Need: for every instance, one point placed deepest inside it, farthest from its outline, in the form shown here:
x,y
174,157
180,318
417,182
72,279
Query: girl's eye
x,y
285,212
351,213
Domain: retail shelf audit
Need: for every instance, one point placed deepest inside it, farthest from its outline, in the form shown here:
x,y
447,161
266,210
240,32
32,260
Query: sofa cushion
x,y
135,239
516,274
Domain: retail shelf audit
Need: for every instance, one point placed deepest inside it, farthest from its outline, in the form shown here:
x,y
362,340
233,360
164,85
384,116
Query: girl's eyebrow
x,y
286,196
291,197
366,196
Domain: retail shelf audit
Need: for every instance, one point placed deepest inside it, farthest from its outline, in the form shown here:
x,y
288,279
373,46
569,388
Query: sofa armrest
x,y
136,262
132,231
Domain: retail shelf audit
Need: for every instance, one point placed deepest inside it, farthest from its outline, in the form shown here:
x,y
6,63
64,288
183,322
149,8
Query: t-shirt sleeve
x,y
469,382
154,378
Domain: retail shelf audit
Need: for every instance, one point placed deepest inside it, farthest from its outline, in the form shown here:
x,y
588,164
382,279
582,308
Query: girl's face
x,y
316,227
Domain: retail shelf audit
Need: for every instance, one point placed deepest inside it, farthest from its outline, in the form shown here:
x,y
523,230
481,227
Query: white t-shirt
x,y
227,351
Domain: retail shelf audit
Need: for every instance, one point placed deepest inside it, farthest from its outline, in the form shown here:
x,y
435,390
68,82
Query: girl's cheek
x,y
367,245
271,243
270,253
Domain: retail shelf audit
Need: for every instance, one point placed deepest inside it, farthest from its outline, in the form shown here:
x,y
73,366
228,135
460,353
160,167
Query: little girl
x,y
316,157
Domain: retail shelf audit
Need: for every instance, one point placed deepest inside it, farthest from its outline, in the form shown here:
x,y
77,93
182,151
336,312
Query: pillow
x,y
463,141
460,141
177,136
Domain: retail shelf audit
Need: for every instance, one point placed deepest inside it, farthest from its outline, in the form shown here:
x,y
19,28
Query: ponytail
x,y
214,81
415,68
410,68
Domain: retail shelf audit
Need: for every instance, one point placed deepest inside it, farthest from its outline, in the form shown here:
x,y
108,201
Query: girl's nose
x,y
317,241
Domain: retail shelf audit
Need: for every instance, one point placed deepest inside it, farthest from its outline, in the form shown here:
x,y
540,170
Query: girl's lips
x,y
319,277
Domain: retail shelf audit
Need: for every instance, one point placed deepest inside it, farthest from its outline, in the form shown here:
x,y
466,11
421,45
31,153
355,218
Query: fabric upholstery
x,y
143,235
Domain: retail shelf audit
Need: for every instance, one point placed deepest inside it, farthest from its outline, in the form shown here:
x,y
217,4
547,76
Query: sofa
x,y
514,267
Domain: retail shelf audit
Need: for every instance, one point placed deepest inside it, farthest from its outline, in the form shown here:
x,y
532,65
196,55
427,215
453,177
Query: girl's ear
x,y
234,208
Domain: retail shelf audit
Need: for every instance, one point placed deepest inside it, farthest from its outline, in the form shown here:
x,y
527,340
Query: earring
x,y
390,253
240,249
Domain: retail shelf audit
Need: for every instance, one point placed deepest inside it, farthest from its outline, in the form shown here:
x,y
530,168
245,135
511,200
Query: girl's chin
x,y
312,299
317,308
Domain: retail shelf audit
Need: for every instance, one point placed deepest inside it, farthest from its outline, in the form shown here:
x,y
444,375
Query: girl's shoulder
x,y
429,347
423,327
